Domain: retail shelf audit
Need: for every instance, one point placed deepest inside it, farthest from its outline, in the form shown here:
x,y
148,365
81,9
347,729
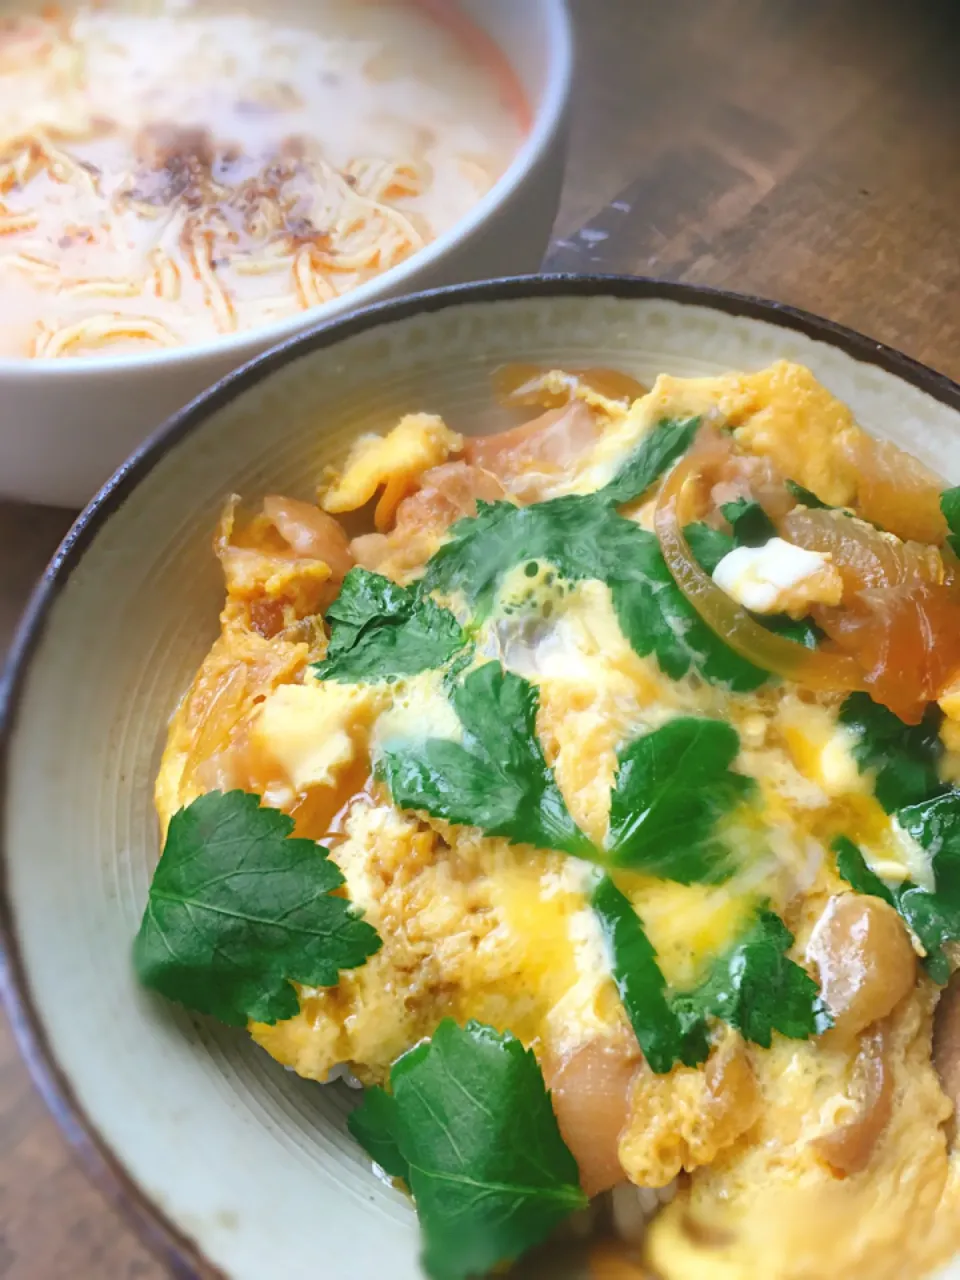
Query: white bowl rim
x,y
180,1253
547,123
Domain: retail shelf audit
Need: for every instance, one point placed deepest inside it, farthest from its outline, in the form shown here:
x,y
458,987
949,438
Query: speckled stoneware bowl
x,y
229,1164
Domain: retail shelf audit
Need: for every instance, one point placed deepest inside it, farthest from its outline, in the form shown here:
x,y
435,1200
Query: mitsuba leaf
x,y
662,1035
661,446
374,1125
497,779
583,537
580,537
800,630
753,987
950,506
472,1123
933,916
708,545
752,527
756,988
807,498
904,757
380,630
672,786
238,911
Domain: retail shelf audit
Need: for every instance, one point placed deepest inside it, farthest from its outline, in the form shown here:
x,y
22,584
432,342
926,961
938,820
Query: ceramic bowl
x,y
65,425
226,1160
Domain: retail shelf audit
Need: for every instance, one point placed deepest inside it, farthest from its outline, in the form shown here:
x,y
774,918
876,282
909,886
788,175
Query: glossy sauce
x,y
180,170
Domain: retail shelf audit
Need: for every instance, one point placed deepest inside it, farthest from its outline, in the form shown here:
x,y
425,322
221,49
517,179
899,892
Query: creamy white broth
x,y
172,173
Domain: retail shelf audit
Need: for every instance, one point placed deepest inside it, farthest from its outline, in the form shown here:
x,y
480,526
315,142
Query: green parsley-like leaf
x,y
239,910
672,786
800,630
904,757
661,1034
374,1125
950,506
490,1174
582,537
708,545
852,866
497,779
933,917
381,630
753,987
752,527
667,441
758,990
807,498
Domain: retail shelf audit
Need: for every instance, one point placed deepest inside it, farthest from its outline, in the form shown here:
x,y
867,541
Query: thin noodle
x,y
201,255
98,331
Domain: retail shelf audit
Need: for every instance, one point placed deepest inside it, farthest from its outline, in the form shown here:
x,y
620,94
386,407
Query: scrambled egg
x,y
474,927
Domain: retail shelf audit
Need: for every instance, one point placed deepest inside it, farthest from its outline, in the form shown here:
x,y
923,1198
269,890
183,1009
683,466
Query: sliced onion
x,y
813,668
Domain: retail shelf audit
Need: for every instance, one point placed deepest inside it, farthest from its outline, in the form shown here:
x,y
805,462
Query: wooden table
x,y
807,150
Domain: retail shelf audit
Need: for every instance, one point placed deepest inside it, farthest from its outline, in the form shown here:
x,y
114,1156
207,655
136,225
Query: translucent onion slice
x,y
812,668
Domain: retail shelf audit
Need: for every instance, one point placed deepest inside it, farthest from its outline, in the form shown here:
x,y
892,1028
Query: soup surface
x,y
174,172
620,758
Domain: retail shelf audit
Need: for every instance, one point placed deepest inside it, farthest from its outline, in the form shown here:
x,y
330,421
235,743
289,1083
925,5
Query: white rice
x,y
632,1208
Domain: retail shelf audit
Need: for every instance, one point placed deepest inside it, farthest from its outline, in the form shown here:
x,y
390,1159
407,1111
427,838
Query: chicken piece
x,y
446,494
394,462
282,566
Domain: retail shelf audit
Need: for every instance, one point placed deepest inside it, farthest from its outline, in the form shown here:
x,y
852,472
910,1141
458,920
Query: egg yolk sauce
x,y
598,810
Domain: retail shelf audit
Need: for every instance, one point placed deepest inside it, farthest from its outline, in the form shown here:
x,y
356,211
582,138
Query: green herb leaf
x,y
752,527
580,537
490,1174
904,757
807,498
758,990
585,538
950,506
853,868
238,910
497,779
934,917
753,987
374,1125
660,1033
657,619
672,787
708,545
800,630
667,441
381,630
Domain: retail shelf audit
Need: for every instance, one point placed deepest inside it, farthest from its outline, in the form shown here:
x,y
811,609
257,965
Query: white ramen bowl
x,y
225,1160
66,424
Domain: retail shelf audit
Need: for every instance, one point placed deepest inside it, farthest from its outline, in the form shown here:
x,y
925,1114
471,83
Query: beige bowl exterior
x,y
221,1154
66,425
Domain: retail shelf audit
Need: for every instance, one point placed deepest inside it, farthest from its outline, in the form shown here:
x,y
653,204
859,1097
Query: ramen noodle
x,y
175,172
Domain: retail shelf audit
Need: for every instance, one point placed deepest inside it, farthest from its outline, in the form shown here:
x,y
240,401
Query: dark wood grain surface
x,y
806,150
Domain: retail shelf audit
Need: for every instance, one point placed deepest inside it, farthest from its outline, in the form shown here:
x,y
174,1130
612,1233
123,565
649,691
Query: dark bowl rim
x,y
168,1241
